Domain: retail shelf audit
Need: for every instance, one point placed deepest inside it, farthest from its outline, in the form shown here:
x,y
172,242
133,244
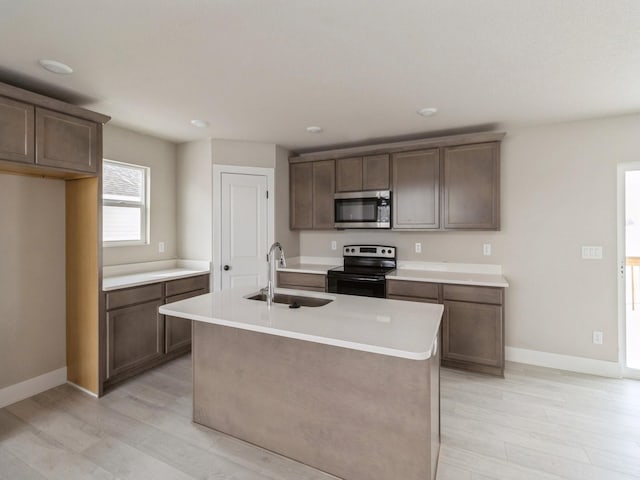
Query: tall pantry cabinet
x,y
45,137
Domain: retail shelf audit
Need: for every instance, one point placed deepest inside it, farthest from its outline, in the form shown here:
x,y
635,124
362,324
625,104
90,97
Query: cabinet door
x,y
177,331
375,172
323,191
301,195
471,187
416,190
473,332
66,142
17,142
349,174
134,336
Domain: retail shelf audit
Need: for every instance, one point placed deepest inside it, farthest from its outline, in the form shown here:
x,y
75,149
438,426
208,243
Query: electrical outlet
x,y
161,247
334,245
486,249
418,247
592,253
597,337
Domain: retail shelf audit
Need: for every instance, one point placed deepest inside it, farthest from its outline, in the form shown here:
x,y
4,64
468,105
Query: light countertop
x,y
136,274
457,278
315,268
388,327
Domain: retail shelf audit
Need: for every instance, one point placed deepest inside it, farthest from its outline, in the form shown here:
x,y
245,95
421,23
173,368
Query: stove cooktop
x,y
355,270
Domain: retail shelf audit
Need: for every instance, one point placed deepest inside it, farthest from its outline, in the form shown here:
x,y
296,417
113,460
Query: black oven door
x,y
355,285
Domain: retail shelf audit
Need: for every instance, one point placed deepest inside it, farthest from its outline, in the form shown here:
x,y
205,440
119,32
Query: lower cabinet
x,y
472,333
177,331
137,337
303,281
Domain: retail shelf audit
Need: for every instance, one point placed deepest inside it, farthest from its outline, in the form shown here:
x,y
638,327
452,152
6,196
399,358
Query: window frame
x,y
144,207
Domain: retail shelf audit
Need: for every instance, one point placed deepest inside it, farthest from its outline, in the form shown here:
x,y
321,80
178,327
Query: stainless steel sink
x,y
294,301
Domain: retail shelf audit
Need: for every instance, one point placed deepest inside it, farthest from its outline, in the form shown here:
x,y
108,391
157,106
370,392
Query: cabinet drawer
x,y
293,280
413,299
462,293
131,296
405,288
183,285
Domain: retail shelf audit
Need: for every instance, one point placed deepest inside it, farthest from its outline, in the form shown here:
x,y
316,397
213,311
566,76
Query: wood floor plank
x,y
535,424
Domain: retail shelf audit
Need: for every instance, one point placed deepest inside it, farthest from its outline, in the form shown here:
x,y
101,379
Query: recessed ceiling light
x,y
56,67
427,111
200,123
314,129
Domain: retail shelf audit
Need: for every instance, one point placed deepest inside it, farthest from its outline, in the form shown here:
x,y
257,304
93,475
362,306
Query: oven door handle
x,y
362,279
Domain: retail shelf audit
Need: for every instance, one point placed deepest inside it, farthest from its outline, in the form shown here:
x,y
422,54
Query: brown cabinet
x,y
16,131
137,336
416,189
362,173
134,337
302,281
426,292
66,142
471,187
177,331
312,186
472,332
473,328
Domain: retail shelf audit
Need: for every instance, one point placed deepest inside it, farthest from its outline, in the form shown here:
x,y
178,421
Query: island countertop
x,y
388,327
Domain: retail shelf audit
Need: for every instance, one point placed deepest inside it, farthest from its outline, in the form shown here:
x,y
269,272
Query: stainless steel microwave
x,y
363,209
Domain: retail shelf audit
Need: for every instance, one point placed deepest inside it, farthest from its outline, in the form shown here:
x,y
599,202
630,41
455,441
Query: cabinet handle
x,y
227,267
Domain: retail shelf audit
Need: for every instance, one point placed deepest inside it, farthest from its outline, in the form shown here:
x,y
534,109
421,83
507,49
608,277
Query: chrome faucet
x,y
272,270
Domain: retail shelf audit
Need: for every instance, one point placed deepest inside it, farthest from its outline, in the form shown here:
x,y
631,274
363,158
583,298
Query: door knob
x,y
226,267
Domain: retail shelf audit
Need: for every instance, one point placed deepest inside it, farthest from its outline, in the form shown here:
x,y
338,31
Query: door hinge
x,y
267,193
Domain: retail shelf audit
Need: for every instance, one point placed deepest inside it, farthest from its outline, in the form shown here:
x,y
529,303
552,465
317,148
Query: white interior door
x,y
244,229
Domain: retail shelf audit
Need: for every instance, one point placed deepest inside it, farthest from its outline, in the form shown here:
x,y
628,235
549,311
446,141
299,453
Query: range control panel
x,y
383,251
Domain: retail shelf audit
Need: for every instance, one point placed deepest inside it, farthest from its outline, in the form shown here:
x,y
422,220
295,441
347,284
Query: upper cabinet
x,y
471,181
446,183
66,142
41,135
362,173
311,189
416,190
16,131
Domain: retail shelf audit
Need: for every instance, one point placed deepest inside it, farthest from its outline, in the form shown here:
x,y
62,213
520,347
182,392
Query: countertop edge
x,y
151,280
477,283
418,356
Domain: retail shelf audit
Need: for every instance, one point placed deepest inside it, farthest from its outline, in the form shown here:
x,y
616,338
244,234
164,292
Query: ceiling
x,y
264,70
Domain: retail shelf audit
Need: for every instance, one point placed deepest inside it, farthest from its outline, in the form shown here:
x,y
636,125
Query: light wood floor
x,y
534,424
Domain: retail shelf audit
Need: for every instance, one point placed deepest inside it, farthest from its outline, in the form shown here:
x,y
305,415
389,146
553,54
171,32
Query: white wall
x,y
194,196
32,277
558,193
195,191
160,155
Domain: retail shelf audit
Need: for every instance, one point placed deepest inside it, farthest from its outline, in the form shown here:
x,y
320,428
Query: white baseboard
x,y
601,368
82,389
33,386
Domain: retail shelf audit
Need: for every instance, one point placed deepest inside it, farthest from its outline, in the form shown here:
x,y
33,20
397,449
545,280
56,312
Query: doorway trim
x,y
622,271
218,170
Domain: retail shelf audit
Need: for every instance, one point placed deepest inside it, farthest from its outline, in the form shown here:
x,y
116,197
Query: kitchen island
x,y
350,388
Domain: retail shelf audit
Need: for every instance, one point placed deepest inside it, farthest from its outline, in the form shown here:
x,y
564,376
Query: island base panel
x,y
354,414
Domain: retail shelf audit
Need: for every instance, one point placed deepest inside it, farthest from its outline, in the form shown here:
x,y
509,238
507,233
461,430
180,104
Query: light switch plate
x,y
334,245
161,247
418,247
486,249
592,252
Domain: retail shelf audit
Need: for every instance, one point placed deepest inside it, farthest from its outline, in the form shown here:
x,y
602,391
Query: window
x,y
125,190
